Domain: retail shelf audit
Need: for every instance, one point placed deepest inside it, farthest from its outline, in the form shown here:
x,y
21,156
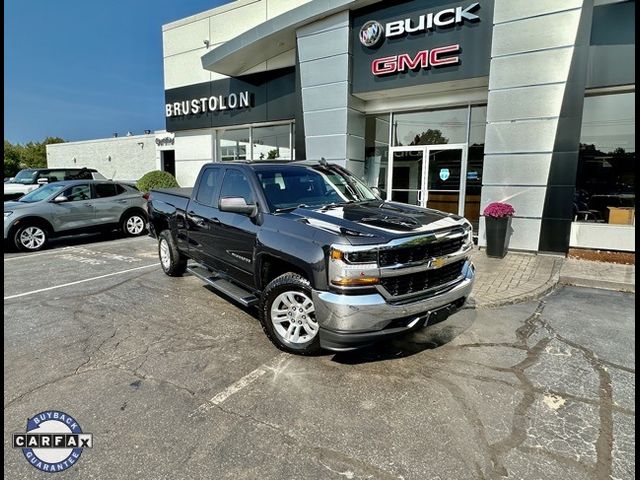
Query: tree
x,y
430,137
12,158
31,155
35,153
273,154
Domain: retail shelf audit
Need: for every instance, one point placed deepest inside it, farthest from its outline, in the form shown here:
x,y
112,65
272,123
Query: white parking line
x,y
77,282
275,365
71,247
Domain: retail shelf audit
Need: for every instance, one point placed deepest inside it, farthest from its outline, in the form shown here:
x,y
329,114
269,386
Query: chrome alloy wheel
x,y
293,317
32,238
165,254
135,225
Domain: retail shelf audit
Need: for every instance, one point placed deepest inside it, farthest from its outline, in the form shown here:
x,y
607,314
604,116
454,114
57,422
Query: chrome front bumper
x,y
371,312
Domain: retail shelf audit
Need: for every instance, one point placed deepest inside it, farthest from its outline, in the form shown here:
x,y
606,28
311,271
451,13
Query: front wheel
x,y
30,238
288,315
173,263
133,224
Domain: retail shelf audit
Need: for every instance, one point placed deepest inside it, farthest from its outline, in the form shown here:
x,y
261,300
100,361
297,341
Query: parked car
x,y
328,263
72,206
29,179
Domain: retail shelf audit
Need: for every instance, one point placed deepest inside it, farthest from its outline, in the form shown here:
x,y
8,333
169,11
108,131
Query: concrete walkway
x,y
587,273
515,278
519,277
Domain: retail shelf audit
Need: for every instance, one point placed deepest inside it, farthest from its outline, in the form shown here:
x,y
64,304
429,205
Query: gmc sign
x,y
436,57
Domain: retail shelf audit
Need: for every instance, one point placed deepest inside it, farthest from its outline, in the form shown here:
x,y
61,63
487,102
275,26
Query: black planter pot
x,y
497,232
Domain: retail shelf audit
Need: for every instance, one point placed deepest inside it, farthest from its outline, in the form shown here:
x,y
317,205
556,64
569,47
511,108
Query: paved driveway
x,y
176,382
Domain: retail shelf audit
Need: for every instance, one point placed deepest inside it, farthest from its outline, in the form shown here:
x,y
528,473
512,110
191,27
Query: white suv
x,y
31,178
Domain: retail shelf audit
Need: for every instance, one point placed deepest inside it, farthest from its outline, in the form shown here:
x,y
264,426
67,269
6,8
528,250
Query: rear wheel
x,y
30,237
172,261
288,315
133,224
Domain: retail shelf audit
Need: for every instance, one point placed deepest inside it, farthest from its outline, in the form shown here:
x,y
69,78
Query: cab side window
x,y
208,185
236,184
76,193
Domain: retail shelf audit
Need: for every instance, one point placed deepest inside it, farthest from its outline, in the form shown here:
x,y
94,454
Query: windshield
x,y
41,193
288,187
26,177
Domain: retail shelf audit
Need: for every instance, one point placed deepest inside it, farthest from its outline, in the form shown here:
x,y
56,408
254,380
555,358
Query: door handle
x,y
215,221
88,204
198,221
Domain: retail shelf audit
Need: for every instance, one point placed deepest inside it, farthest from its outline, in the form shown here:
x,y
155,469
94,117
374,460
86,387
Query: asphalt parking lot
x,y
175,382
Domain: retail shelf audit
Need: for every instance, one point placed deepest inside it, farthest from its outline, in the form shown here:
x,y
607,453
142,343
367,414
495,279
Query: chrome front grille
x,y
417,253
414,283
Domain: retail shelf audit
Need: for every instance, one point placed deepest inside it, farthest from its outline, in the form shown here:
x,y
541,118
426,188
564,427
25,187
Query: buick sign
x,y
371,33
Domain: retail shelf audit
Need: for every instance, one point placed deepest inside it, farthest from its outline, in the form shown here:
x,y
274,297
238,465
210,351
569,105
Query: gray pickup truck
x,y
326,261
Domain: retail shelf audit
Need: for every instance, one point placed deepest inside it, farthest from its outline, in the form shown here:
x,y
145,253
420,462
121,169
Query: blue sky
x,y
83,69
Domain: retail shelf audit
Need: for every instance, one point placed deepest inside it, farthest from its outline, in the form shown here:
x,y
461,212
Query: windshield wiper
x,y
289,209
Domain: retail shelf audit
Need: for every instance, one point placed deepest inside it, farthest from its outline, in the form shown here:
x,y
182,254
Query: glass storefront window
x,y
268,142
605,179
271,142
234,144
376,151
475,162
430,128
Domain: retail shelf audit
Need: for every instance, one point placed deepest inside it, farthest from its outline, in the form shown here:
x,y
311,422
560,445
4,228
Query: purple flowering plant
x,y
498,210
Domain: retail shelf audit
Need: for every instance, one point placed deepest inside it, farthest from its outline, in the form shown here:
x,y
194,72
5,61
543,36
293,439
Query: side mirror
x,y
237,205
376,190
60,199
43,181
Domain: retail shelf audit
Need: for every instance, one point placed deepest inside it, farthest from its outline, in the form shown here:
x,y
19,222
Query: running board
x,y
221,285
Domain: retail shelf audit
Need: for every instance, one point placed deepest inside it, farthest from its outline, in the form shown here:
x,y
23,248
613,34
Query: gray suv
x,y
67,207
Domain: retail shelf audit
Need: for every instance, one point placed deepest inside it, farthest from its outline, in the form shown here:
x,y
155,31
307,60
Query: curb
x,y
602,284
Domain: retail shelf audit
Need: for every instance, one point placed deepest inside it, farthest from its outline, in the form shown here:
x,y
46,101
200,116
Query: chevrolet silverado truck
x,y
328,263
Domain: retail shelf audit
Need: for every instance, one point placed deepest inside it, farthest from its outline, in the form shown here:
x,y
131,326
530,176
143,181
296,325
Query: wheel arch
x,y
130,210
271,267
31,219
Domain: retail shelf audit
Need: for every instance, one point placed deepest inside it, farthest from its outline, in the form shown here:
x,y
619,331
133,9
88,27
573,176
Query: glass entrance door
x,y
445,178
405,178
431,176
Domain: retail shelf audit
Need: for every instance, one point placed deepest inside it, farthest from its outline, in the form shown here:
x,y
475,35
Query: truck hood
x,y
12,188
376,221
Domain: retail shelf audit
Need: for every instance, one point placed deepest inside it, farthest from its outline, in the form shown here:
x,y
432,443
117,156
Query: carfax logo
x,y
53,441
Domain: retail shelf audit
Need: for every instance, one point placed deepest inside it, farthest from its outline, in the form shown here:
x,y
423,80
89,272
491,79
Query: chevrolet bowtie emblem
x,y
437,262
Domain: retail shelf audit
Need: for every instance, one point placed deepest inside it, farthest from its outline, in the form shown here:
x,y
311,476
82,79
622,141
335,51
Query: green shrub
x,y
156,179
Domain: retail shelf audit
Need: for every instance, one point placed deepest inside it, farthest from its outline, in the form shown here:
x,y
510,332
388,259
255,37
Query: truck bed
x,y
180,192
166,201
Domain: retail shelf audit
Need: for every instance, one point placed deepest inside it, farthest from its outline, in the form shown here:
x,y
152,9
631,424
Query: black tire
x,y
133,224
177,263
30,237
288,282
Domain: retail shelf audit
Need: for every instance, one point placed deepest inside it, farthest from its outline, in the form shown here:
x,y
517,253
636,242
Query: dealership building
x,y
447,105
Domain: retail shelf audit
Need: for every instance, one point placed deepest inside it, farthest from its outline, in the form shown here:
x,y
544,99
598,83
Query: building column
x,y
534,112
334,121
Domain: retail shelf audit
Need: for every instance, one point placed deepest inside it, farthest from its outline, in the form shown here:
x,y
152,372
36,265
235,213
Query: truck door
x,y
237,233
203,217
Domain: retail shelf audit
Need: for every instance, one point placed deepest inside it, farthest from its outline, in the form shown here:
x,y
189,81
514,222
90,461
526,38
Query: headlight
x,y
356,268
469,230
362,256
7,214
